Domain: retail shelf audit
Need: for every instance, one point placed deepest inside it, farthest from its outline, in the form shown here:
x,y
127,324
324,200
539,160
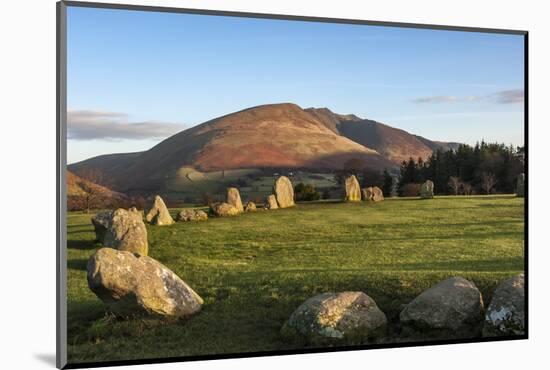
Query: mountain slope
x,y
267,136
79,187
395,144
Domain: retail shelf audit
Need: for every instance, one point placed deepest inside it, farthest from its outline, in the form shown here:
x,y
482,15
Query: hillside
x,y
395,144
79,187
267,136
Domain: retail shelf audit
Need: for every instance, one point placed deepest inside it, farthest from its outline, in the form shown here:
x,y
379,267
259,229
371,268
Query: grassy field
x,y
188,183
255,269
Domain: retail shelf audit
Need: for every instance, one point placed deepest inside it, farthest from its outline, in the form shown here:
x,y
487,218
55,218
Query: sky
x,y
135,78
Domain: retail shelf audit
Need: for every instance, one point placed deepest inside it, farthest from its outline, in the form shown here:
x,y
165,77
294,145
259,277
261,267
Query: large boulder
x,y
271,202
250,207
506,313
134,285
191,215
330,317
352,189
224,209
234,198
122,229
284,192
452,308
373,194
520,185
427,190
158,214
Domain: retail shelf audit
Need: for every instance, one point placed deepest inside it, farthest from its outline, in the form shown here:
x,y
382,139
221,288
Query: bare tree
x,y
466,188
488,181
454,184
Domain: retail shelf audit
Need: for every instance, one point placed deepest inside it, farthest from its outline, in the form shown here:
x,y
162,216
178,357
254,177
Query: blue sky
x,y
135,77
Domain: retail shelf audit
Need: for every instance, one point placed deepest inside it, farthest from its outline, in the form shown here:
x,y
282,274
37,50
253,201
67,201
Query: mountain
x,y
267,136
434,145
395,144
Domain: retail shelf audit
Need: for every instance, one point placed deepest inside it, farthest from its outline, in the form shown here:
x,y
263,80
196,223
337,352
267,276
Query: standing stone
x,y
506,313
158,214
520,186
284,192
377,194
452,308
224,209
250,207
133,285
330,317
271,202
234,198
102,222
122,229
192,215
352,189
427,190
373,194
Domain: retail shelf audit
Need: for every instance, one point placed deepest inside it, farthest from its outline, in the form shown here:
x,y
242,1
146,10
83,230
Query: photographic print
x,y
239,185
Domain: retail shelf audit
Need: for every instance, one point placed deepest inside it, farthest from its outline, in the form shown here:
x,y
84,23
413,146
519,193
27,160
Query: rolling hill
x,y
267,136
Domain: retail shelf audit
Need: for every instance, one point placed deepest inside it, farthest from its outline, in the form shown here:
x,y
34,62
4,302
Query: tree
x,y
92,177
454,184
387,186
466,188
303,192
372,177
411,190
488,181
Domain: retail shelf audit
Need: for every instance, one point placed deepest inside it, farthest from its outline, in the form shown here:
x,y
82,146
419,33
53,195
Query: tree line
x,y
485,168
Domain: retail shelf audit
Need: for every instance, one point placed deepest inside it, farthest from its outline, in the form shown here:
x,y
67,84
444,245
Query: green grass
x,y
255,269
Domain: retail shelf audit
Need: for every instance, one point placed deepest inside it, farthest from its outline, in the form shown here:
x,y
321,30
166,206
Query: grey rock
x,y
139,285
506,313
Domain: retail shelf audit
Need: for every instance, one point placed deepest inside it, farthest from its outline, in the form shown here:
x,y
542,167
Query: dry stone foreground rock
x,y
192,215
234,198
506,313
133,285
271,202
250,207
427,190
284,192
452,308
158,214
520,185
352,189
373,194
332,317
224,209
122,229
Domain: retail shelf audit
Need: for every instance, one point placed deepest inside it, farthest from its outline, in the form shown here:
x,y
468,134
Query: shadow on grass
x,y
491,265
77,264
82,244
467,236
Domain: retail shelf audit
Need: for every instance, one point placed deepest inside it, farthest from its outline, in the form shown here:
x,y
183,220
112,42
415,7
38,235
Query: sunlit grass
x,y
255,269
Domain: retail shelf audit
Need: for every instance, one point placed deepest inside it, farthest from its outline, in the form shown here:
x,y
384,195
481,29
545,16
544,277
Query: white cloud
x,y
93,125
510,96
500,97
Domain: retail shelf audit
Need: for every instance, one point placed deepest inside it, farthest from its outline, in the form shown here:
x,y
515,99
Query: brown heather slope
x,y
395,144
267,136
76,188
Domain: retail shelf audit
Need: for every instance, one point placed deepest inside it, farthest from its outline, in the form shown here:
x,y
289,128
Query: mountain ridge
x,y
267,136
